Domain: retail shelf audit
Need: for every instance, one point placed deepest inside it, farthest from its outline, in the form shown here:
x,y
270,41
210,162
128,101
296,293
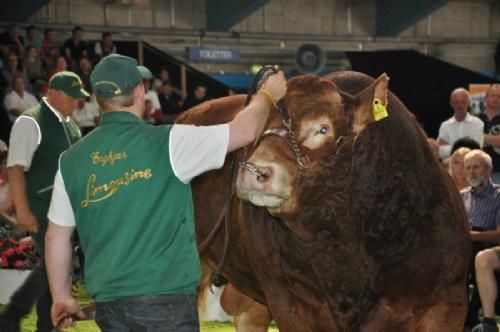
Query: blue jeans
x,y
156,313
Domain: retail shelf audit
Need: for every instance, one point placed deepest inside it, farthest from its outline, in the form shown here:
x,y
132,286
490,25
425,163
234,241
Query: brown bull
x,y
368,235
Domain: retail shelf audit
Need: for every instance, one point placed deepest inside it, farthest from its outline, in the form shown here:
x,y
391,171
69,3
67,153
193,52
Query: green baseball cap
x,y
145,73
69,83
114,75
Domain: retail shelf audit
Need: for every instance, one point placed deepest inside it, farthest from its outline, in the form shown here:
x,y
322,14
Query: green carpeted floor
x,y
29,323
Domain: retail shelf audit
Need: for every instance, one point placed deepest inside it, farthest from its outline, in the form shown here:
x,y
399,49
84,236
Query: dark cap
x,y
114,75
69,83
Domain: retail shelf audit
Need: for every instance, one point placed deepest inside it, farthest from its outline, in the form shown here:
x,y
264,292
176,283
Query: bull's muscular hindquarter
x,y
371,238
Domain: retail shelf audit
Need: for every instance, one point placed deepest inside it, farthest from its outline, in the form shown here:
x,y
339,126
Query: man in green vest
x,y
37,139
125,186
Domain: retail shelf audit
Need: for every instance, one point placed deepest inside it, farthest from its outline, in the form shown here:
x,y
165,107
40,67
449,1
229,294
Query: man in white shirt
x,y
18,100
461,124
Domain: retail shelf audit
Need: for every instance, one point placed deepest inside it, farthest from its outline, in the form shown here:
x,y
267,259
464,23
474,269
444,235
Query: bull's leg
x,y
256,319
449,314
249,315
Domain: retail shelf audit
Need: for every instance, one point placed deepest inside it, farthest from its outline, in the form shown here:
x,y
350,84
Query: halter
x,y
303,155
225,215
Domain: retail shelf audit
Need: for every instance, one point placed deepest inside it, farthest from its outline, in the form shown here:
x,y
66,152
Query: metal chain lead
x,y
295,146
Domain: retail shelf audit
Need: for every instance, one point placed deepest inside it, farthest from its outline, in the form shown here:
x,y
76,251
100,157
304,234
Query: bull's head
x,y
323,120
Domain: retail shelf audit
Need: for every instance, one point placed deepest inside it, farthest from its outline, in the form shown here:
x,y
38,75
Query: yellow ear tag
x,y
379,110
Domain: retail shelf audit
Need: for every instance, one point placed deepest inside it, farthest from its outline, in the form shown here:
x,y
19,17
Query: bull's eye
x,y
323,130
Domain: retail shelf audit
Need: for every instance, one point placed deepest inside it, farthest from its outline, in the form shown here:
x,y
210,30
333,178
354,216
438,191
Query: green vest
x,y
56,137
134,217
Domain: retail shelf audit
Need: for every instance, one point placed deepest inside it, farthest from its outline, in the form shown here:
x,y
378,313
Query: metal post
x,y
349,18
429,25
183,80
69,11
172,13
153,19
264,19
140,53
105,13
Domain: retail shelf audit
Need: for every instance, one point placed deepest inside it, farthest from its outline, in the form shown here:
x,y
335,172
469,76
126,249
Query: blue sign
x,y
214,54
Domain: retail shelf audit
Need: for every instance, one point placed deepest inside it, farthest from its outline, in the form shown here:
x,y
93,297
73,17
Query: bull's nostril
x,y
263,177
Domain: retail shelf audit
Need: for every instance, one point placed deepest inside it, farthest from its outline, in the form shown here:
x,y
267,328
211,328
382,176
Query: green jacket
x,y
56,137
134,217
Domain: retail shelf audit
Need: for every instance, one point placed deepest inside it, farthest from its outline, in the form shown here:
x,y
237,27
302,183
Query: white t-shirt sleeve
x,y
24,139
195,150
60,210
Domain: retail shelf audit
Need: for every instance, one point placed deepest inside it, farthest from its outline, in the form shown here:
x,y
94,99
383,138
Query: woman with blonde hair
x,y
456,168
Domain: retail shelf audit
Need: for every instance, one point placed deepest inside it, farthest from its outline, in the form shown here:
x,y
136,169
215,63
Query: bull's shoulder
x,y
215,111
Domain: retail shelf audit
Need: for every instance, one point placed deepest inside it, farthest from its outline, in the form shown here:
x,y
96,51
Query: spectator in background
x,y
18,100
482,206
6,205
487,263
33,64
456,168
104,47
461,124
11,69
199,96
170,102
32,38
35,72
84,70
87,115
75,47
150,94
163,76
50,50
465,142
491,119
11,41
148,115
61,65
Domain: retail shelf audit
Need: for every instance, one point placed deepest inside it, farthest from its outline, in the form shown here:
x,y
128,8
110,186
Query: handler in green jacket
x,y
125,186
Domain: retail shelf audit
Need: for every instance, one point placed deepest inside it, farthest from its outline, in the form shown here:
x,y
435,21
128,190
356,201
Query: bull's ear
x,y
371,104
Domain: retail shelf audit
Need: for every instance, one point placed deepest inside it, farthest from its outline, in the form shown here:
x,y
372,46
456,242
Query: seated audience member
x,y
33,65
11,41
170,102
198,96
6,205
104,47
482,206
35,72
50,50
87,115
12,69
465,142
32,38
491,119
84,70
75,47
487,263
461,124
61,65
456,168
18,100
